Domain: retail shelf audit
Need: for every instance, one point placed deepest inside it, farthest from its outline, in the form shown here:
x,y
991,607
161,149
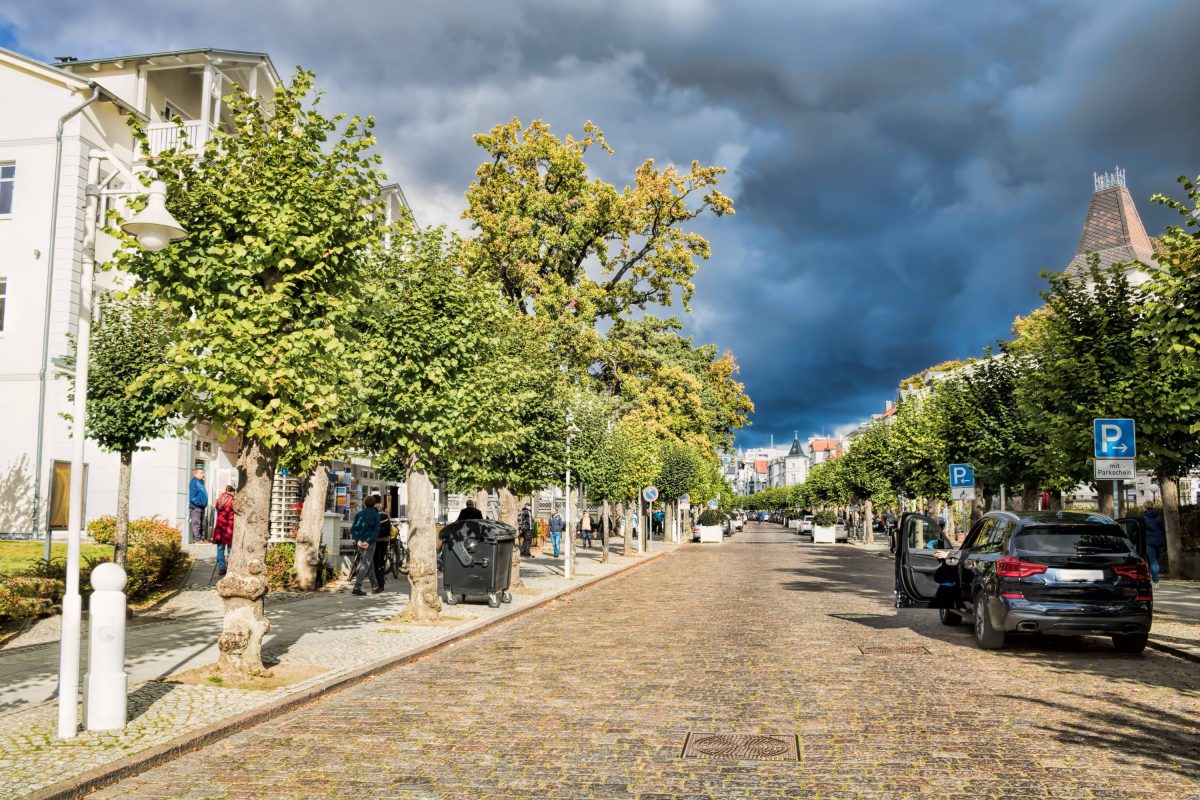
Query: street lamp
x,y
568,561
154,227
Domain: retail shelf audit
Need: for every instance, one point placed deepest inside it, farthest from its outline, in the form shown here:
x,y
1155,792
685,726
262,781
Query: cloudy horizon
x,y
901,172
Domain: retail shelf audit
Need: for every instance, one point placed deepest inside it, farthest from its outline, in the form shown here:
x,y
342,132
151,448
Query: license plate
x,y
1080,575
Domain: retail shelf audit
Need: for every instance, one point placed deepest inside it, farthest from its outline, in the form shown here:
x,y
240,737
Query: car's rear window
x,y
1072,540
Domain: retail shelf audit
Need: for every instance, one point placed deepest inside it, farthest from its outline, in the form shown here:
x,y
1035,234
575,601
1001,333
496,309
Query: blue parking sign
x,y
962,476
1115,438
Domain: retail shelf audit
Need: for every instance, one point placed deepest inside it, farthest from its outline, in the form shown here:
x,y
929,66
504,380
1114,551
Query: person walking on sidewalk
x,y
383,541
1156,539
585,529
470,512
364,532
525,526
197,504
556,529
222,533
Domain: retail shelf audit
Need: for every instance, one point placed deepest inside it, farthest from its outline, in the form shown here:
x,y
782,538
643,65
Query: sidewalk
x,y
330,630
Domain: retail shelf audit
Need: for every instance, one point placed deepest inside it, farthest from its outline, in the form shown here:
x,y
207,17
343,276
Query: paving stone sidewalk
x,y
334,630
595,697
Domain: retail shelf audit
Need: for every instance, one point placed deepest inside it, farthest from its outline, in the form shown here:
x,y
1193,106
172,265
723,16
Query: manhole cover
x,y
893,650
762,747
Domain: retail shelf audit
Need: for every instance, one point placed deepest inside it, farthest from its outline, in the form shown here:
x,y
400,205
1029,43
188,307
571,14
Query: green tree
x,y
1169,409
281,216
129,340
438,360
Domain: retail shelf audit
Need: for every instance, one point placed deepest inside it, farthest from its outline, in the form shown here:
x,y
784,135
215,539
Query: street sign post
x,y
962,481
713,504
650,493
1116,453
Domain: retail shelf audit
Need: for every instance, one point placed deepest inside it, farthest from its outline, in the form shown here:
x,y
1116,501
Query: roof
x,y
233,55
797,448
67,79
1112,229
1058,517
824,445
760,466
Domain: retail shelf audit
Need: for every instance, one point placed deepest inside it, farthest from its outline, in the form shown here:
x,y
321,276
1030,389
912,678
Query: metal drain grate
x,y
893,650
739,746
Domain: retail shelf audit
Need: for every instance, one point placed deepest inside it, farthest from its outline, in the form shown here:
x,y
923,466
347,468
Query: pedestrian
x,y
222,533
657,522
1156,539
470,512
556,528
635,521
364,531
585,528
197,504
383,541
525,526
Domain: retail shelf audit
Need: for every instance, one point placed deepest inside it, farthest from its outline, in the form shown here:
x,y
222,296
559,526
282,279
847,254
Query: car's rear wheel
x,y
950,618
1130,642
987,637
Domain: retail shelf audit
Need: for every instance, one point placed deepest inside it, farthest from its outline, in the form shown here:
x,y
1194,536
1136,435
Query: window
x,y
8,178
3,298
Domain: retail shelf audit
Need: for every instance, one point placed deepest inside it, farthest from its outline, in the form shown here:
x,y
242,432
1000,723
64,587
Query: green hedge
x,y
825,519
711,517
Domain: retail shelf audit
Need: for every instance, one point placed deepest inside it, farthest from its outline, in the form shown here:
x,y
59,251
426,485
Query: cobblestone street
x,y
594,697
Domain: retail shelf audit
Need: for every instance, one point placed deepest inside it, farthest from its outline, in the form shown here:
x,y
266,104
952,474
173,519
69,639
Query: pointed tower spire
x,y
1113,230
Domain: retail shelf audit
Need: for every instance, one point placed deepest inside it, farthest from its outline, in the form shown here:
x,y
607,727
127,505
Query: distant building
x,y
789,469
1113,230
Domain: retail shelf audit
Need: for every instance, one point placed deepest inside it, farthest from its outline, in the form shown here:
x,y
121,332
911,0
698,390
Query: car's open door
x,y
1135,531
923,580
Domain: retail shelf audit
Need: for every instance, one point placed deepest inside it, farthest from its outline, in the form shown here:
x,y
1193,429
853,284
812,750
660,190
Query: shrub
x,y
825,519
149,531
15,606
711,517
155,552
103,530
281,566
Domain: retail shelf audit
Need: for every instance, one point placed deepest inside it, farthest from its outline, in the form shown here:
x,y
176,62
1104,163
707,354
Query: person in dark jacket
x,y
364,532
222,533
470,512
1156,539
383,540
525,526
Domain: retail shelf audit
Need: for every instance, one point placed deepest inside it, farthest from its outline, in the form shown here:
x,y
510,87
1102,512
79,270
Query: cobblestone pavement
x,y
594,696
334,631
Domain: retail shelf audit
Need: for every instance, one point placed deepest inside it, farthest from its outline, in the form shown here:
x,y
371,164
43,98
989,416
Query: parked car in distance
x,y
1059,573
806,524
739,521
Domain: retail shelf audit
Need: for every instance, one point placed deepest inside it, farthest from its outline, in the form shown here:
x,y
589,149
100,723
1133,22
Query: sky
x,y
902,172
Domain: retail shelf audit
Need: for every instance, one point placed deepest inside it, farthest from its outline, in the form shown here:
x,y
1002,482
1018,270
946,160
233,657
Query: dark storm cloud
x,y
902,171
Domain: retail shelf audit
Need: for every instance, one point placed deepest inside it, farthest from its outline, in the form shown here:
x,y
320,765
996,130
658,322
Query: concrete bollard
x,y
107,685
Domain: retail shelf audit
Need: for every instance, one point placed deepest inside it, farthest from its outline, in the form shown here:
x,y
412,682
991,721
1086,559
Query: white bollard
x,y
107,684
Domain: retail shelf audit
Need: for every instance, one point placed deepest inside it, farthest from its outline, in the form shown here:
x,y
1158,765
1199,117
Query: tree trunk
x,y
604,509
1056,499
626,532
245,586
1171,521
869,529
121,546
480,497
425,604
308,534
1031,498
980,505
1104,497
508,515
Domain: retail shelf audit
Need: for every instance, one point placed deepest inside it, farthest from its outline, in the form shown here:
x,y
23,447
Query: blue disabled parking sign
x,y
1115,438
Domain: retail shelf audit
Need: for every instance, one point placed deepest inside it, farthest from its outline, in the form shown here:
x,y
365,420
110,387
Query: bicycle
x,y
395,562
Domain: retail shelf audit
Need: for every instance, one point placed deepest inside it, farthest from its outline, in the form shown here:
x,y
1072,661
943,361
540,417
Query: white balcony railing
x,y
165,135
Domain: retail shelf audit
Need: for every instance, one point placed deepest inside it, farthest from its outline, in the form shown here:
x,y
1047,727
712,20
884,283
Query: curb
x,y
1178,652
131,765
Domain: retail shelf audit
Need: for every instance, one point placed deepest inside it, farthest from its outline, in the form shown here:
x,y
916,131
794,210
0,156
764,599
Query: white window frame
x,y
3,302
13,182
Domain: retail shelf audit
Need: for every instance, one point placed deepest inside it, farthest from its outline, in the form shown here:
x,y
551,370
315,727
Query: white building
x,y
789,469
54,116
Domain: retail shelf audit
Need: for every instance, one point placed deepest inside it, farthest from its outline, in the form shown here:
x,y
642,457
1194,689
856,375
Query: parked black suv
x,y
1054,572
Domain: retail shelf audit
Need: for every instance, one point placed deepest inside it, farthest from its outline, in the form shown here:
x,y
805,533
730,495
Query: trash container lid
x,y
489,530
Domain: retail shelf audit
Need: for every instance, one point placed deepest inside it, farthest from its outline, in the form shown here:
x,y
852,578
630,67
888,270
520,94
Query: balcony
x,y
166,135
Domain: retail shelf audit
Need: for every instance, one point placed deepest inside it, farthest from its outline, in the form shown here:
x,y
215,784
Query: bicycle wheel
x,y
393,560
402,561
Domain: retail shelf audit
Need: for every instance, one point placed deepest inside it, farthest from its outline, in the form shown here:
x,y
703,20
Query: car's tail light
x,y
1015,568
1143,597
1135,572
1013,595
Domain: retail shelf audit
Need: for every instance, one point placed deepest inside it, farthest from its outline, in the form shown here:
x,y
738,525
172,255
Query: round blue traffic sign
x,y
650,493
713,504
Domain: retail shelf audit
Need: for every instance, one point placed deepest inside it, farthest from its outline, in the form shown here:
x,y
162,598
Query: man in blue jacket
x,y
197,503
1156,539
557,524
364,532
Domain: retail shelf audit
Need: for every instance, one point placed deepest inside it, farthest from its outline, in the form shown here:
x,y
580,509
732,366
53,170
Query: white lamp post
x,y
154,227
568,560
